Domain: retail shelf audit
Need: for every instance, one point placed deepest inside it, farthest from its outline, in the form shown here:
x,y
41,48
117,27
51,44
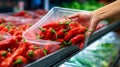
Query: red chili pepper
x,y
12,31
1,27
77,39
8,61
1,58
17,33
26,26
54,37
50,33
63,43
64,24
61,33
3,55
40,52
60,40
73,32
79,25
33,47
81,44
42,33
75,24
20,50
5,43
4,29
51,48
57,28
52,24
13,42
34,55
19,38
1,21
20,28
20,61
71,27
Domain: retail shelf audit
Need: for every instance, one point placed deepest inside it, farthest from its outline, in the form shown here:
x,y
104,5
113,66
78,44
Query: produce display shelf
x,y
93,38
56,58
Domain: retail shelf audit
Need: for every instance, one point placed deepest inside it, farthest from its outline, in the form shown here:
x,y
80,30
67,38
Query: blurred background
x,y
18,5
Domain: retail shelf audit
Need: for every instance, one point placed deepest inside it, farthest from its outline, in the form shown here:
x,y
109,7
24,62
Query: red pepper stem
x,y
31,54
53,31
35,47
69,43
64,30
64,43
4,53
68,22
18,61
42,29
23,40
45,51
60,23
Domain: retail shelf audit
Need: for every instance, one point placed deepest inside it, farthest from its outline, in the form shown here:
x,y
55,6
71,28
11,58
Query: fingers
x,y
93,24
87,16
74,16
82,16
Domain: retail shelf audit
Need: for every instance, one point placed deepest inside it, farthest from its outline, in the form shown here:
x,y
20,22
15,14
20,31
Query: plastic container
x,y
53,15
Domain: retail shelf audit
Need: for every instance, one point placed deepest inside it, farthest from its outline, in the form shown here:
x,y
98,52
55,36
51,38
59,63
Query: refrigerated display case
x,y
60,56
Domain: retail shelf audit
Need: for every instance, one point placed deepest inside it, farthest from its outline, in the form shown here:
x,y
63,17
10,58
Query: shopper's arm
x,y
108,11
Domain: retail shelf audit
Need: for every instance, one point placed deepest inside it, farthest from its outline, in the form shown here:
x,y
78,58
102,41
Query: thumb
x,y
93,24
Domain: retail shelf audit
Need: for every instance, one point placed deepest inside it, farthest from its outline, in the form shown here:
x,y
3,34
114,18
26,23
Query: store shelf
x,y
93,38
60,56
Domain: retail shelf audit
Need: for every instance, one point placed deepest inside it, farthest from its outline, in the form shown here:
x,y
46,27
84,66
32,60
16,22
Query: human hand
x,y
86,17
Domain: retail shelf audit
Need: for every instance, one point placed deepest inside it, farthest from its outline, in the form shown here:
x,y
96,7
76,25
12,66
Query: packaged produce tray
x,y
53,15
